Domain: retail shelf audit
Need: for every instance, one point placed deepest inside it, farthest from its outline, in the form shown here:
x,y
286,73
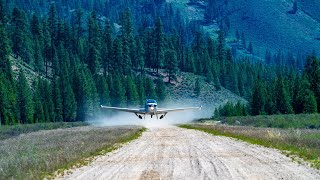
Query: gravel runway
x,y
176,153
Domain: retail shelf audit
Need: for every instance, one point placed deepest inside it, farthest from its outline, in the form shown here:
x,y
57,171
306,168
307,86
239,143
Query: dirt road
x,y
175,153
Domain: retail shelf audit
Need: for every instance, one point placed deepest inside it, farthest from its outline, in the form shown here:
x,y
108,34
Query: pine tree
x,y
198,47
139,56
52,24
131,92
35,27
282,99
141,89
296,101
78,28
21,37
117,57
57,100
48,49
55,64
197,87
209,76
103,90
39,115
150,91
119,92
270,106
160,90
158,44
25,103
216,79
212,49
69,104
190,61
38,43
92,96
94,57
47,101
305,101
231,81
5,50
241,84
258,101
106,47
127,40
171,65
312,71
7,102
221,44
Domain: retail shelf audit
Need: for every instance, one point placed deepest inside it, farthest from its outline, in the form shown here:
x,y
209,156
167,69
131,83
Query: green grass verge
x,y
302,143
309,121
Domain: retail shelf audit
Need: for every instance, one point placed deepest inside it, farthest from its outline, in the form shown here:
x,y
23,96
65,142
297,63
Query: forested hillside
x,y
86,53
288,29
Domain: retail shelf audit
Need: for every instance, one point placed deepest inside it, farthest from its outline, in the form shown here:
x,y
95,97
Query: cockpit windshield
x,y
151,101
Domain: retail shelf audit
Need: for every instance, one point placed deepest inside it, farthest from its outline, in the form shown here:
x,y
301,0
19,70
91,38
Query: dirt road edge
x,y
94,155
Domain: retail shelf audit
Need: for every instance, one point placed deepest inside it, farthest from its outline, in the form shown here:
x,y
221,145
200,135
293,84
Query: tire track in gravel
x,y
176,153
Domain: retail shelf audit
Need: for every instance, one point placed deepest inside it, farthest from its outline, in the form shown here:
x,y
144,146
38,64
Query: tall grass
x,y
15,130
34,155
301,142
308,121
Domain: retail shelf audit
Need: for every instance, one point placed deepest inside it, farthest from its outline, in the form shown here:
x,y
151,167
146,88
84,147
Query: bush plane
x,y
150,108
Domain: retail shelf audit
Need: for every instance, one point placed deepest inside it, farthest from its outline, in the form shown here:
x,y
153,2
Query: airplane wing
x,y
162,111
123,109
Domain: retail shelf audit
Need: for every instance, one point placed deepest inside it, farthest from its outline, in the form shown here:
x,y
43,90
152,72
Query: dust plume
x,y
172,118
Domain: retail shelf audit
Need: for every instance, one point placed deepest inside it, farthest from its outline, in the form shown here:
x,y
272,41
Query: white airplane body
x,y
150,108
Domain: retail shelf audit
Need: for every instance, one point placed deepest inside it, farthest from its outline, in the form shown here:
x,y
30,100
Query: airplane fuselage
x,y
150,107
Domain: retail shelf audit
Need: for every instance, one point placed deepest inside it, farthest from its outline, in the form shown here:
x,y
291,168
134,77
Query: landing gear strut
x,y
139,116
162,116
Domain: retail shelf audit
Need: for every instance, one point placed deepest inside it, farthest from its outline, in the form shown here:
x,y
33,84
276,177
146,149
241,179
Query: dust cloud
x,y
172,118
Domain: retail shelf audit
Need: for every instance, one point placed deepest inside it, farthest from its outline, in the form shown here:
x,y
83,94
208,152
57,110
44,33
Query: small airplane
x,y
150,108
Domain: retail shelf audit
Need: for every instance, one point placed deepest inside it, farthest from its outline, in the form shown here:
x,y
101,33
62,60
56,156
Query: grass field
x,y
39,154
11,131
306,121
303,143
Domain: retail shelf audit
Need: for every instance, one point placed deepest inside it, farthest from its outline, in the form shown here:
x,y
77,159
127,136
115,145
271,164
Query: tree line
x,y
91,58
291,93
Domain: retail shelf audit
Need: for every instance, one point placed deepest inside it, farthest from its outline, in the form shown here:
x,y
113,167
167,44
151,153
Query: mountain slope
x,y
181,94
267,24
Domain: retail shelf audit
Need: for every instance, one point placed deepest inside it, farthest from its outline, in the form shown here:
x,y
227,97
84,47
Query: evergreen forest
x,y
85,53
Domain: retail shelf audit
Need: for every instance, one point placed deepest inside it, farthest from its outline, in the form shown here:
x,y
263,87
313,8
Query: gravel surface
x,y
175,153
